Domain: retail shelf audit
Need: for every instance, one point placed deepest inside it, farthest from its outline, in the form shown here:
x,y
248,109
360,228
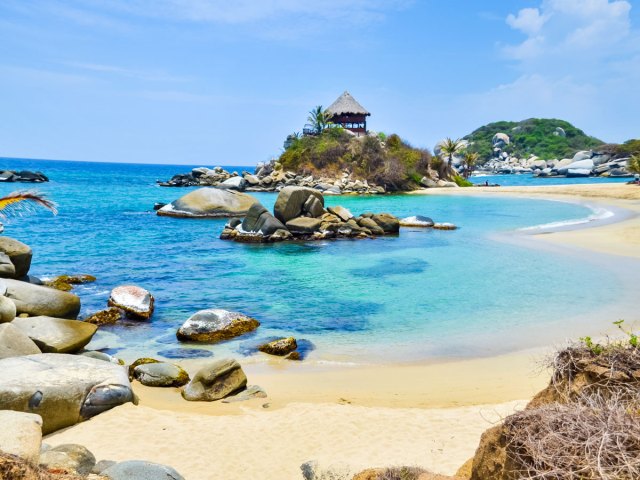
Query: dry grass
x,y
594,437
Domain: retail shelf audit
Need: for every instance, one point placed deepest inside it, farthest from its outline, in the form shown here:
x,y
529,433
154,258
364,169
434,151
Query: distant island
x,y
336,154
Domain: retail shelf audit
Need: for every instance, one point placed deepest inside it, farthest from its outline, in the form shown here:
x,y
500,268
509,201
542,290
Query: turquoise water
x,y
421,295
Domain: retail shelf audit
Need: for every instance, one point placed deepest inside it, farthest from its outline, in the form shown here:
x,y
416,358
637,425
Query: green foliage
x,y
632,339
319,119
461,181
534,136
628,148
395,164
382,136
633,164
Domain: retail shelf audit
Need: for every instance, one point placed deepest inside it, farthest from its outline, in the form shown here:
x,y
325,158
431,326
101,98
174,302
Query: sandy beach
x,y
429,415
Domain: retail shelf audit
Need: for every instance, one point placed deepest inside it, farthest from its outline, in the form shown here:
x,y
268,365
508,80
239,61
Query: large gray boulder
x,y
139,470
215,381
259,220
19,254
21,434
56,335
37,300
7,309
304,225
234,183
291,201
214,325
586,164
14,342
160,374
63,389
209,202
70,457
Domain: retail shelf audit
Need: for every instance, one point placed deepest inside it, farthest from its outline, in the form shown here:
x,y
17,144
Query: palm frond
x,y
20,203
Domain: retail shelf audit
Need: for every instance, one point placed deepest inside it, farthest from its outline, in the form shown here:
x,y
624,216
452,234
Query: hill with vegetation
x,y
383,160
542,137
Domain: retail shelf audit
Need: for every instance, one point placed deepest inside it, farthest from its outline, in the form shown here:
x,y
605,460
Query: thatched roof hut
x,y
348,113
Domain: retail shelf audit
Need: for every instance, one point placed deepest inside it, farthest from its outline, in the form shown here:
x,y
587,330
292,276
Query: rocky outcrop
x,y
209,203
19,256
109,316
136,302
22,176
15,343
304,216
56,335
63,389
21,435
37,300
67,282
139,470
215,325
216,380
270,177
159,374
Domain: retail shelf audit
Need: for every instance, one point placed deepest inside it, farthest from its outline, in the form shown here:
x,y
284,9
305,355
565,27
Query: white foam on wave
x,y
599,213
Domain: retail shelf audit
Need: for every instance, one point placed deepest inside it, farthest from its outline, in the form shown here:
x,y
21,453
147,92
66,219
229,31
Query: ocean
x,y
422,295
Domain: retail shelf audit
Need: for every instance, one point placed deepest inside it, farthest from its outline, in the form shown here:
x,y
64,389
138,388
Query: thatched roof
x,y
346,104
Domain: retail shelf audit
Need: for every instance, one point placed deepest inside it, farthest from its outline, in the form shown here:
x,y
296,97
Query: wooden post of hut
x,y
349,114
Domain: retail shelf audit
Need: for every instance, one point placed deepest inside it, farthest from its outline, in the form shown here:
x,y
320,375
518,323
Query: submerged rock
x,y
215,325
14,342
416,221
209,202
135,301
63,389
139,470
215,381
21,435
66,282
56,335
444,226
106,317
279,347
37,300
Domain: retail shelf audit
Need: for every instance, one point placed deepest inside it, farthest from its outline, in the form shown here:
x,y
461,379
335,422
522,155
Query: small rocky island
x,y
23,176
300,214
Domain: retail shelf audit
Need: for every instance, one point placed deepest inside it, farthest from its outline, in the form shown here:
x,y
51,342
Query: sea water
x,y
421,295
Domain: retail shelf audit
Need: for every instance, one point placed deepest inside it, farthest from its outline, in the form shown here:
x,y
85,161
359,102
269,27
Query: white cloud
x,y
528,20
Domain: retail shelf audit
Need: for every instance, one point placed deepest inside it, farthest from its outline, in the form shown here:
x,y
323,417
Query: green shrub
x,y
462,182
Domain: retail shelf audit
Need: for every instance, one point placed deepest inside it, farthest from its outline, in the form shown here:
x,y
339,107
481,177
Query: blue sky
x,y
223,82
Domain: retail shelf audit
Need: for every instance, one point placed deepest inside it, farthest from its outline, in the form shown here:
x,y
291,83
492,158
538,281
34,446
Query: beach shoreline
x,y
429,413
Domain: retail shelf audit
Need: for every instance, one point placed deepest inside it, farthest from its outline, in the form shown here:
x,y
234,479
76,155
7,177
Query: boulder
x,y
291,201
387,222
251,179
106,317
209,202
251,392
21,435
444,226
161,375
15,343
234,183
341,212
56,335
7,269
63,389
135,301
369,224
215,381
139,470
7,309
500,140
259,220
38,300
428,182
140,361
69,457
578,172
66,282
582,155
279,347
19,254
304,225
215,325
416,221
580,165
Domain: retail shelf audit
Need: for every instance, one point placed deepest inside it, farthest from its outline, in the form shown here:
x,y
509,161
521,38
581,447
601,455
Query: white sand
x,y
271,445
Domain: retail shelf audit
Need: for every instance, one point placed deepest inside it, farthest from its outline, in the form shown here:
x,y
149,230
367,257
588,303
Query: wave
x,y
599,213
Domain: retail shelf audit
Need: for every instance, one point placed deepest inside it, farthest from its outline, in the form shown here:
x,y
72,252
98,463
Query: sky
x,y
218,82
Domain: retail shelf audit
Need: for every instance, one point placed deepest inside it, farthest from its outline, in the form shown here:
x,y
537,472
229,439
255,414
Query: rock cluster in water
x,y
22,176
587,163
270,177
300,213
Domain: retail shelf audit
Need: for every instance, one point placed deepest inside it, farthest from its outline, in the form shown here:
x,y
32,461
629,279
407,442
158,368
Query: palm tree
x,y
19,203
633,164
470,160
449,148
319,119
